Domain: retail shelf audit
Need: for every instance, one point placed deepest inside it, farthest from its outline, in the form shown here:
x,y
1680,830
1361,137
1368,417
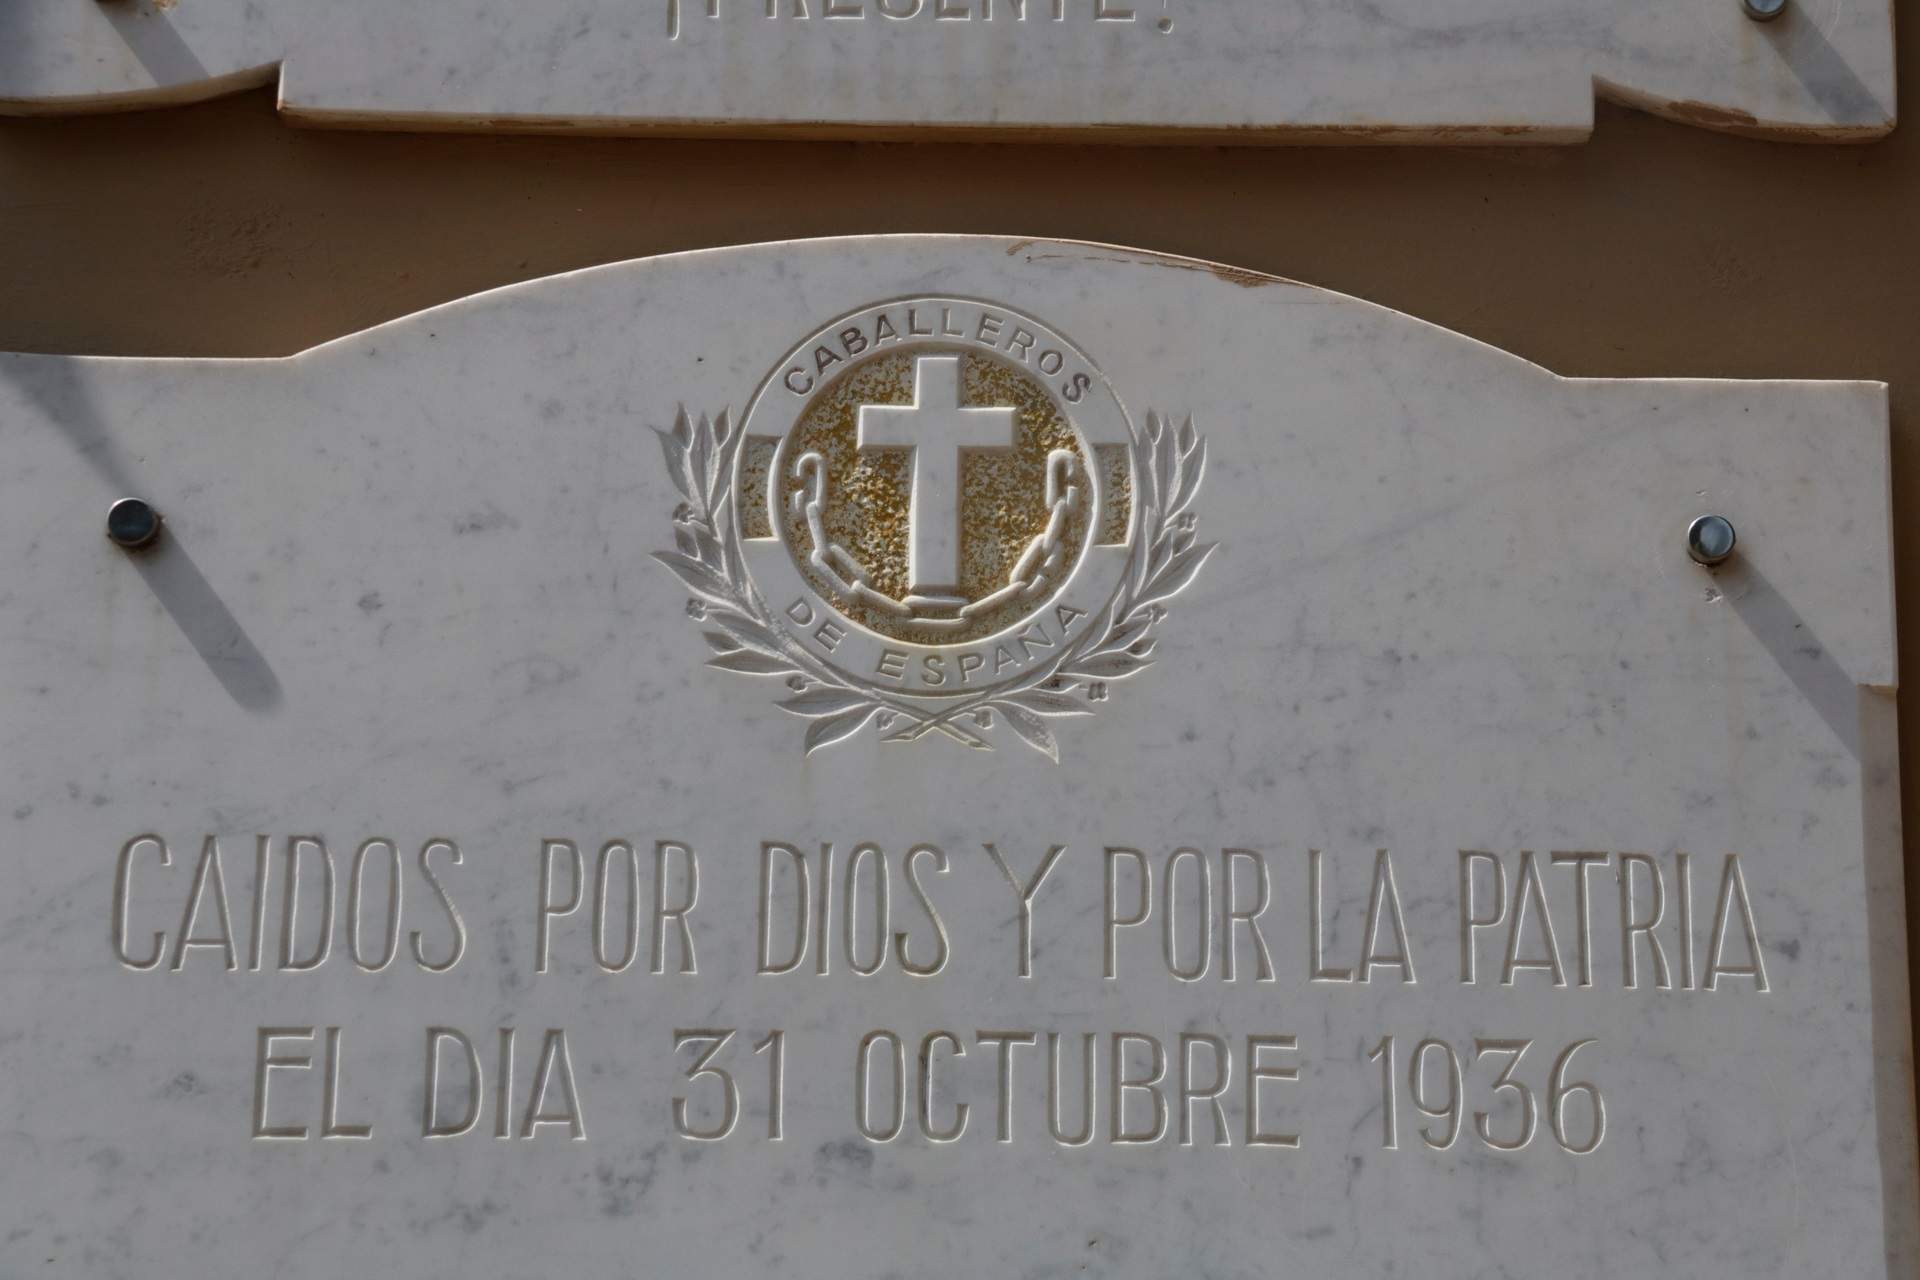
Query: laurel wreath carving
x,y
746,637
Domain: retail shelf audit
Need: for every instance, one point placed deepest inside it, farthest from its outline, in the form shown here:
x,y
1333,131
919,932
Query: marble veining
x,y
1469,884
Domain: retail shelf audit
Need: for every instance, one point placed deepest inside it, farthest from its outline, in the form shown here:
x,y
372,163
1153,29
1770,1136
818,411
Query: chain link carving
x,y
746,636
1035,574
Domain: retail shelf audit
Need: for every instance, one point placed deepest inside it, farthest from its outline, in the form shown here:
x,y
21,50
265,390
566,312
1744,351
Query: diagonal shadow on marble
x,y
545,799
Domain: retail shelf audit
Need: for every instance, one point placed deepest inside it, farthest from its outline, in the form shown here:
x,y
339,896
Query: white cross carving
x,y
939,429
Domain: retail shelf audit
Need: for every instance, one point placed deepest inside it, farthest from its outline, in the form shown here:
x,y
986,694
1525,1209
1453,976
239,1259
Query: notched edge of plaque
x,y
178,94
1744,124
1855,110
297,114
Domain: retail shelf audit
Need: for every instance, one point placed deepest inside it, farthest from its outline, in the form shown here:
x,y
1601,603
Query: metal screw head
x,y
132,523
1764,10
1710,540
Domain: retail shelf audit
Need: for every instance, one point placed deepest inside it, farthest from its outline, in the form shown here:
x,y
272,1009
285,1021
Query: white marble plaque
x,y
932,755
1220,70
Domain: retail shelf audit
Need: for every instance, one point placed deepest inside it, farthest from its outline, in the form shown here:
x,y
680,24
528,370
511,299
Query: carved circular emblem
x,y
935,517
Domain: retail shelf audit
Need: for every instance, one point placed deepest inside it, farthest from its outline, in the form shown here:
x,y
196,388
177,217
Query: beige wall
x,y
1655,249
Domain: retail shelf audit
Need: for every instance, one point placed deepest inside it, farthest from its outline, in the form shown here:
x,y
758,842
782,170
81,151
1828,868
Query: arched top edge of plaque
x,y
857,400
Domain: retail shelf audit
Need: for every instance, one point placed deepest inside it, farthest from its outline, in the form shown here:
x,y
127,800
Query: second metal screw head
x,y
1710,540
1764,10
132,523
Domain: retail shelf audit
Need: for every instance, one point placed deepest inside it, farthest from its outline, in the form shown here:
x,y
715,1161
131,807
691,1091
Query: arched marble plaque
x,y
930,754
1220,70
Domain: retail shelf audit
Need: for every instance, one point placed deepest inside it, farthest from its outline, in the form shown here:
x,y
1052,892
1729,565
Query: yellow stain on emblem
x,y
1003,500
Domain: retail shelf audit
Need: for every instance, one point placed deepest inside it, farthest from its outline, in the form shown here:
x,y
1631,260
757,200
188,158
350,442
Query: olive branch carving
x,y
745,636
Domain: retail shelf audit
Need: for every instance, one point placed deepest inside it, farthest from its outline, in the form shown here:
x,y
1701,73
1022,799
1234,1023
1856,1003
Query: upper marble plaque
x,y
1043,760
1220,70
